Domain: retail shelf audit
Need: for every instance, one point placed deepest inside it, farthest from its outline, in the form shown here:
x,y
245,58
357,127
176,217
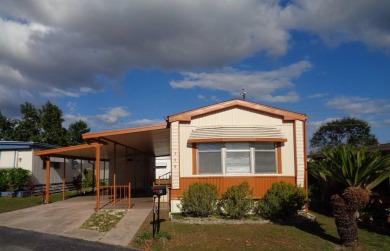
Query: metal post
x,y
63,181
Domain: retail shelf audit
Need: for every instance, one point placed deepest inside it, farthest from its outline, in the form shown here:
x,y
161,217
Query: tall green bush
x,y
4,180
199,200
281,201
237,200
14,178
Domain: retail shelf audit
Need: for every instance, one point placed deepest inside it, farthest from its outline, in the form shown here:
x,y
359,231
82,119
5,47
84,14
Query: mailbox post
x,y
157,192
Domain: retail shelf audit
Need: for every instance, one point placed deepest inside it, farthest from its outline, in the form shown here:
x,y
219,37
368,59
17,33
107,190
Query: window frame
x,y
273,150
252,161
209,151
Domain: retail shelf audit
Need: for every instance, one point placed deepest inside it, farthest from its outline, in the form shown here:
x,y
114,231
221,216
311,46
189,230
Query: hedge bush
x,y
14,179
281,201
199,200
237,201
4,180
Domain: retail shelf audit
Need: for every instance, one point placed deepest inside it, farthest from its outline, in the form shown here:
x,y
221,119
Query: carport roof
x,y
153,140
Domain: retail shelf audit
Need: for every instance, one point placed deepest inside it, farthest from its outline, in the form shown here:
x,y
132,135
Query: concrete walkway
x,y
65,218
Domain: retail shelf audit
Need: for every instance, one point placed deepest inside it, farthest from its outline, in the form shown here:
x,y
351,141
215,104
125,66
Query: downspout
x,y
15,158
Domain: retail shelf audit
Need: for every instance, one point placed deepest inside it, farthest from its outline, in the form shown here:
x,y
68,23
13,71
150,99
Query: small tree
x,y
344,211
88,178
199,200
237,200
356,169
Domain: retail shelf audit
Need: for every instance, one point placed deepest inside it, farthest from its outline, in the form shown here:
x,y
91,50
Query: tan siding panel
x,y
288,149
185,151
300,154
235,117
175,155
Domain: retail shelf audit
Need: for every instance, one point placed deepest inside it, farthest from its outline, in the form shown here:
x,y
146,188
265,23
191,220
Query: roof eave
x,y
284,114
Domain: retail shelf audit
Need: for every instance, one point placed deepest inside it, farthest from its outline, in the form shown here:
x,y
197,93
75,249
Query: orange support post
x,y
47,180
114,173
97,164
129,194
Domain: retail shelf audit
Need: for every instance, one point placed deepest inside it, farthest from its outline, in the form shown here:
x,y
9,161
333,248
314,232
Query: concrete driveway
x,y
65,218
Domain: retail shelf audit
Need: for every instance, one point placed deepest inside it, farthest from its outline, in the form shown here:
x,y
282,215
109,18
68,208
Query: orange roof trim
x,y
286,115
124,131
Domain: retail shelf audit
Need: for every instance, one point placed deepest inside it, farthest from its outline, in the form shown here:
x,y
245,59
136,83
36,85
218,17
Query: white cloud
x,y
359,105
112,115
317,95
212,98
272,86
71,106
111,118
338,21
145,122
72,46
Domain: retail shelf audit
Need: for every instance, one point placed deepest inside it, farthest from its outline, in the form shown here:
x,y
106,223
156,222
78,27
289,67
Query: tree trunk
x,y
345,222
345,209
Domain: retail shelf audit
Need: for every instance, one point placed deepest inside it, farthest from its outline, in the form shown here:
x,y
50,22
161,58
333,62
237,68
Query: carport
x,y
131,155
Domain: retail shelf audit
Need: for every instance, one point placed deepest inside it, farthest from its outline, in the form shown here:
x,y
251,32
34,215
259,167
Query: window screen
x,y
209,159
238,158
265,158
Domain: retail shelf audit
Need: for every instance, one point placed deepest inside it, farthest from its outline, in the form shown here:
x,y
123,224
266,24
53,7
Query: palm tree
x,y
359,171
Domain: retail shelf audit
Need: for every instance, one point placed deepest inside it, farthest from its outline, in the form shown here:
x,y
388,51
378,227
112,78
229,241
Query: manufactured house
x,y
224,144
21,154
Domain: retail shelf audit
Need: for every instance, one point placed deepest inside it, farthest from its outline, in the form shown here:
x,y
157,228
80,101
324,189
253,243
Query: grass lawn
x,y
14,203
319,235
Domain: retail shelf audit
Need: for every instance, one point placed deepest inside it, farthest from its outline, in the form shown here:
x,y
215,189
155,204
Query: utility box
x,y
159,190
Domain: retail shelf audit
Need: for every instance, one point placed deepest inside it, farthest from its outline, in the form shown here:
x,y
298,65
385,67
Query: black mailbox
x,y
159,190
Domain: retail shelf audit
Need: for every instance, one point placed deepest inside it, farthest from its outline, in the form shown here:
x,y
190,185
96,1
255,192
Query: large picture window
x,y
237,157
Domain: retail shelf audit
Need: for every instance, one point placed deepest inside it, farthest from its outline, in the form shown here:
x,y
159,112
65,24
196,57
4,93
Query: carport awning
x,y
237,134
154,140
85,151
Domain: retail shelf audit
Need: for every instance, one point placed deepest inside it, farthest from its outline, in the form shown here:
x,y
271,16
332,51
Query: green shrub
x,y
88,180
199,200
4,180
237,201
281,201
18,178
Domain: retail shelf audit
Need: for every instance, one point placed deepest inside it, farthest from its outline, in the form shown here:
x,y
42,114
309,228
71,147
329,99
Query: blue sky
x,y
118,64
